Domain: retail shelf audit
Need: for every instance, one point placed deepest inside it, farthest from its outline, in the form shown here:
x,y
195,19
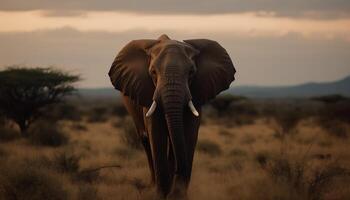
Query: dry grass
x,y
231,162
129,134
47,134
209,147
8,133
23,181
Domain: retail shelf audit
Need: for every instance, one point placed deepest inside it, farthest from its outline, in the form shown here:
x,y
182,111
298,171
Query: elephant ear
x,y
215,70
129,72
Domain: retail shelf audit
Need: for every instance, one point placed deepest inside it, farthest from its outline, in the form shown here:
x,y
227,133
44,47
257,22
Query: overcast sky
x,y
272,42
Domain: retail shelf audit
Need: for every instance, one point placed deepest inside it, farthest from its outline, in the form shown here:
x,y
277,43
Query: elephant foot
x,y
179,191
178,195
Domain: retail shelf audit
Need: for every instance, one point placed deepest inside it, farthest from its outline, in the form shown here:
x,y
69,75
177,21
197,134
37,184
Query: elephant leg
x,y
158,137
191,135
147,146
136,113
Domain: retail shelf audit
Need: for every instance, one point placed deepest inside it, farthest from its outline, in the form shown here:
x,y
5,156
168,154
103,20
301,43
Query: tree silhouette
x,y
25,91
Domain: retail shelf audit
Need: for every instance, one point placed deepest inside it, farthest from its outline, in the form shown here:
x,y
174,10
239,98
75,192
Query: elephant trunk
x,y
173,99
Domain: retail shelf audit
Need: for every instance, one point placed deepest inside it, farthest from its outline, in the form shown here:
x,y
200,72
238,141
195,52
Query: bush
x,y
234,110
236,152
125,152
8,134
2,119
225,133
63,111
248,139
334,98
3,153
23,182
98,114
87,192
79,127
335,128
119,110
222,103
47,134
300,179
69,163
262,158
65,162
209,147
334,118
129,134
287,119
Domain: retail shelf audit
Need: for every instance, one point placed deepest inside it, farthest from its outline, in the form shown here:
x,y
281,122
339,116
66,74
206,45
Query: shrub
x,y
335,128
3,153
119,110
87,176
287,118
223,102
333,98
23,182
248,139
225,133
98,114
2,119
87,192
234,110
8,134
125,152
209,147
138,184
262,158
47,134
334,118
238,152
63,111
79,127
66,162
300,179
243,112
129,134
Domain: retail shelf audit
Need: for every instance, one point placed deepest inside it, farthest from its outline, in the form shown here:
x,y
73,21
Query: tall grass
x,y
209,147
20,181
129,134
47,133
302,178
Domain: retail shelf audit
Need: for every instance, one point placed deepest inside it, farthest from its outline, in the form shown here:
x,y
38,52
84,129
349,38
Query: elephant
x,y
164,83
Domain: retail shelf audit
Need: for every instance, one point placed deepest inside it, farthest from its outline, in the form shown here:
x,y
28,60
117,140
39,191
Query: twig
x,y
99,168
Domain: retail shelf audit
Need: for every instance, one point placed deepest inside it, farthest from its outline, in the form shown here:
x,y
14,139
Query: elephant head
x,y
146,70
172,76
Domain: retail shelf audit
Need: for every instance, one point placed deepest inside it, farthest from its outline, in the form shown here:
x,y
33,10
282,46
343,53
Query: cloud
x,y
263,60
63,13
294,8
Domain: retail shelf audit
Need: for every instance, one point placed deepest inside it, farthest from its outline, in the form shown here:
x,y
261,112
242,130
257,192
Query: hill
x,y
341,87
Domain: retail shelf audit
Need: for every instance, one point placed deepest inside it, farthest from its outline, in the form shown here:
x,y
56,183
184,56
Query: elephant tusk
x,y
193,109
151,109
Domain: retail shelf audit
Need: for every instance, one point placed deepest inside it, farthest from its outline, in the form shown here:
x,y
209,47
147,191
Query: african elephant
x,y
164,83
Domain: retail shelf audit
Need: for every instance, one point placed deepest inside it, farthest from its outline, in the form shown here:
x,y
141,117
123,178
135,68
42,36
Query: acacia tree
x,y
25,91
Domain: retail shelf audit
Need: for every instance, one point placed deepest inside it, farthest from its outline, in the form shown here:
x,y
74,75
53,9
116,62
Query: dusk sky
x,y
271,42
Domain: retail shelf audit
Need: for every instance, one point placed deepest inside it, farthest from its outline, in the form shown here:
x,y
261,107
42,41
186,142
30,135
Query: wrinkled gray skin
x,y
170,73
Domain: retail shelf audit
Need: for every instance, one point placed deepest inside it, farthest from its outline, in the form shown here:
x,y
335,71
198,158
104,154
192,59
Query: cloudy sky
x,y
272,42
